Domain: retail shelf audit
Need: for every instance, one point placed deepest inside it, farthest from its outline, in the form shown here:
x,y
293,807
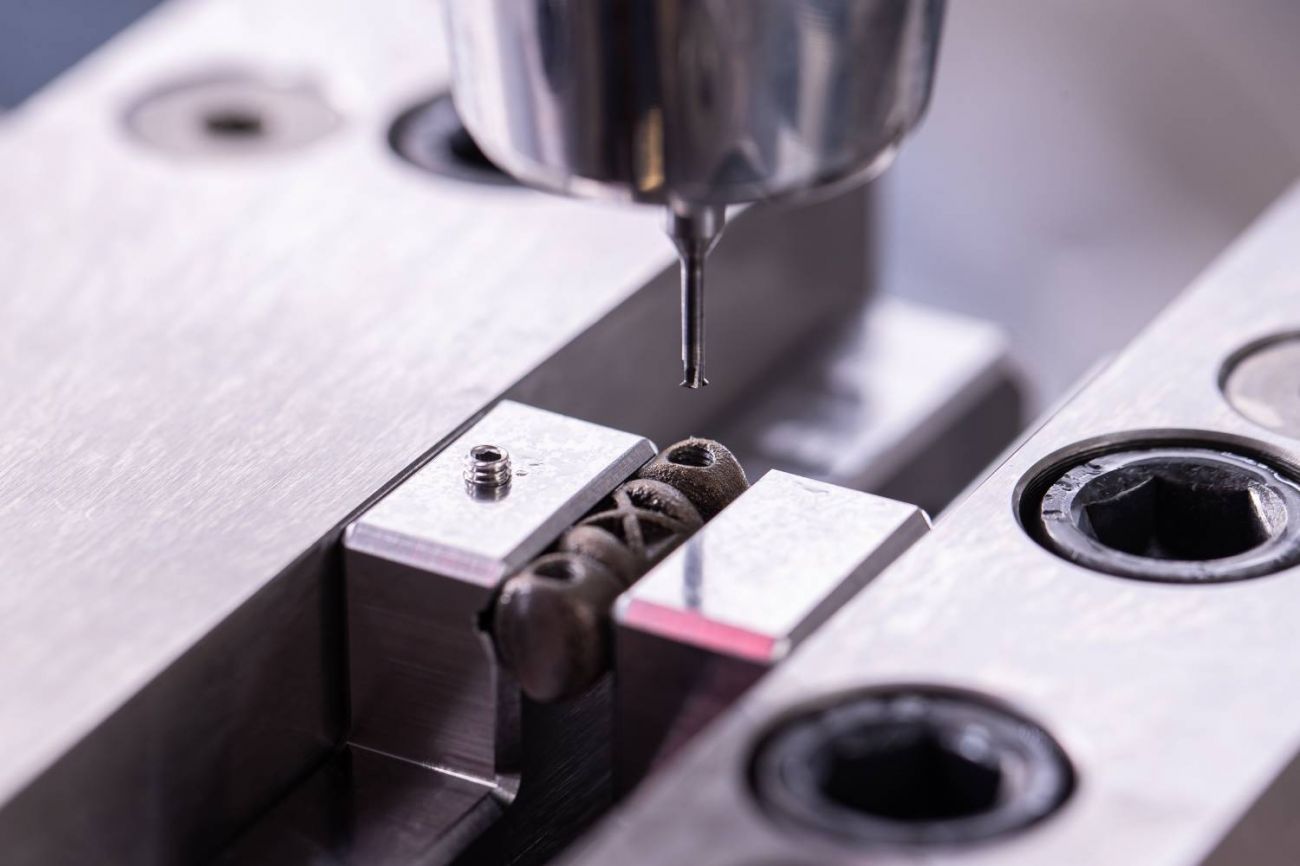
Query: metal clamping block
x,y
738,597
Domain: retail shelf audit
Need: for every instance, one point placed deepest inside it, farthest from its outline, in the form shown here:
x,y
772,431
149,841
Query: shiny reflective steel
x,y
736,599
690,104
700,102
487,469
1176,704
233,112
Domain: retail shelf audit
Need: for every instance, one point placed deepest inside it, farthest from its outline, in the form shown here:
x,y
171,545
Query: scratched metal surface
x,y
207,365
1177,704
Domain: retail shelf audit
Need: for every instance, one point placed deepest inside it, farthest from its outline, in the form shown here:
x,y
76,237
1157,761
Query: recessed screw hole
x,y
691,455
234,123
907,772
1181,512
1203,514
913,766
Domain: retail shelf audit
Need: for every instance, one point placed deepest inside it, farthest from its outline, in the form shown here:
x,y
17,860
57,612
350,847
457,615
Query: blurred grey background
x,y
1081,162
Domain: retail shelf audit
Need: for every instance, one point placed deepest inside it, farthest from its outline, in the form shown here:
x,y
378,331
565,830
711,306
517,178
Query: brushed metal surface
x,y
424,563
904,400
562,467
736,599
364,808
1176,704
208,367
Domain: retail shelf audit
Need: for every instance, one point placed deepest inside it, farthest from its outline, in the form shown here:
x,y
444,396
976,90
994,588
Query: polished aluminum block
x,y
736,599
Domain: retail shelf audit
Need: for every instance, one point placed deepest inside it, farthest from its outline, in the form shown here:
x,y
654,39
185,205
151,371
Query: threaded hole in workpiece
x,y
691,455
906,771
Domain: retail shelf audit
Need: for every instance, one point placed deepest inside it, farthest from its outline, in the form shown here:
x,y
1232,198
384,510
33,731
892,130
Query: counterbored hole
x,y
464,148
431,136
228,113
907,772
1208,514
234,123
691,455
913,766
1176,511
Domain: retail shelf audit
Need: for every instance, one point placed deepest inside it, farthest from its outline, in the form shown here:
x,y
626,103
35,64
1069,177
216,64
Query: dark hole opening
x,y
431,135
907,771
486,453
234,123
691,455
463,147
1192,512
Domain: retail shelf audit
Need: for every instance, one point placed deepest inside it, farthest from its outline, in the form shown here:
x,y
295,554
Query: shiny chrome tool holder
x,y
1173,704
692,106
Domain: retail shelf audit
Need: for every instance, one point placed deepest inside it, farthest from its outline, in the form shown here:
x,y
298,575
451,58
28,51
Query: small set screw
x,y
487,470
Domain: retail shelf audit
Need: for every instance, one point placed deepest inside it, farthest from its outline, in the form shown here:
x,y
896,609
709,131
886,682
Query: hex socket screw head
x,y
487,469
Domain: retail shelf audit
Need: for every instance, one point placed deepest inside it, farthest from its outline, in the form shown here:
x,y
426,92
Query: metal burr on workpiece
x,y
691,105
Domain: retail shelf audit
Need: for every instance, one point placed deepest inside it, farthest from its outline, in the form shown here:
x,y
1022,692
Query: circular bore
x,y
691,454
1263,383
911,767
1176,513
430,136
232,113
